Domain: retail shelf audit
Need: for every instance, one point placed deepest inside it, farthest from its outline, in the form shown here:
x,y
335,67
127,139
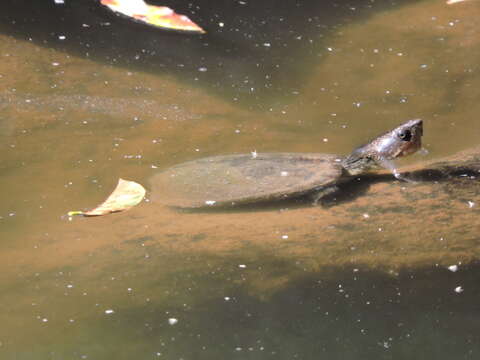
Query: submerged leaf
x,y
160,16
127,194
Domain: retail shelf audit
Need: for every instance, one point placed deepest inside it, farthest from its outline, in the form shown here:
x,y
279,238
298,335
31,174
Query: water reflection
x,y
270,38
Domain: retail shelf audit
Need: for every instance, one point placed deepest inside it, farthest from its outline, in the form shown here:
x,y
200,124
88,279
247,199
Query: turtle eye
x,y
405,135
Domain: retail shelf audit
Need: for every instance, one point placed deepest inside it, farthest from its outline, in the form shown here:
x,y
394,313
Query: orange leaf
x,y
160,16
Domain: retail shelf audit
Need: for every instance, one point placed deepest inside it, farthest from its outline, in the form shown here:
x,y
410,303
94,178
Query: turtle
x,y
232,180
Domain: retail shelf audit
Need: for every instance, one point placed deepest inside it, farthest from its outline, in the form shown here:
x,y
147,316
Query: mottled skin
x,y
380,152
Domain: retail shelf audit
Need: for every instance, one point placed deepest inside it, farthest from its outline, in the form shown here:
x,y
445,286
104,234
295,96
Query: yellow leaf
x,y
126,195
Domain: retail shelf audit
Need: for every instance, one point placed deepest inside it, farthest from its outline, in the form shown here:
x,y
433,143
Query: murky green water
x,y
363,278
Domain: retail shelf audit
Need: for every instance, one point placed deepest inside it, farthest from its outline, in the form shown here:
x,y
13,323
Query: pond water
x,y
87,97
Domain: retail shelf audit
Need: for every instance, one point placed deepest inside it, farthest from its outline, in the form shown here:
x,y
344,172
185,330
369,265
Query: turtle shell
x,y
245,178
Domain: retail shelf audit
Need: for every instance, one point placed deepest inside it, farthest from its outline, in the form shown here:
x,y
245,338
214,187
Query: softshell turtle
x,y
251,178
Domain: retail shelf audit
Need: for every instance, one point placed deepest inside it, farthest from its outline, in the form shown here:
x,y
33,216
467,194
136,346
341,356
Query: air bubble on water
x,y
453,268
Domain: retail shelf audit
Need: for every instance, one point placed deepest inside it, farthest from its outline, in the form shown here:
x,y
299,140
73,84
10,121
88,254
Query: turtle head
x,y
381,151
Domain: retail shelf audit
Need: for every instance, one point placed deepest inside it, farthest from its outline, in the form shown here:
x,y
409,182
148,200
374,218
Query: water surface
x,y
364,277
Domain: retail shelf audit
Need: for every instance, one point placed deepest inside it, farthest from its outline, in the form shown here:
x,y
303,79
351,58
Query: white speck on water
x,y
55,64
202,69
221,24
44,320
284,173
109,311
154,166
330,49
69,286
424,66
59,1
197,150
172,321
227,298
254,154
210,202
386,344
458,289
380,229
471,204
365,216
237,131
242,266
61,37
284,237
325,140
238,349
453,268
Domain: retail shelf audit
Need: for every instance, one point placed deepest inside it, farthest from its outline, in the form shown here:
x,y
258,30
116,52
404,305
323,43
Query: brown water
x,y
352,280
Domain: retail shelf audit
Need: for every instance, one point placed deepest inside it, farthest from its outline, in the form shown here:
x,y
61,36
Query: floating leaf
x,y
160,16
127,194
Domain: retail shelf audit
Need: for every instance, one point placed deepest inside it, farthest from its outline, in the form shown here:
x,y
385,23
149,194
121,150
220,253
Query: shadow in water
x,y
352,189
340,313
264,50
